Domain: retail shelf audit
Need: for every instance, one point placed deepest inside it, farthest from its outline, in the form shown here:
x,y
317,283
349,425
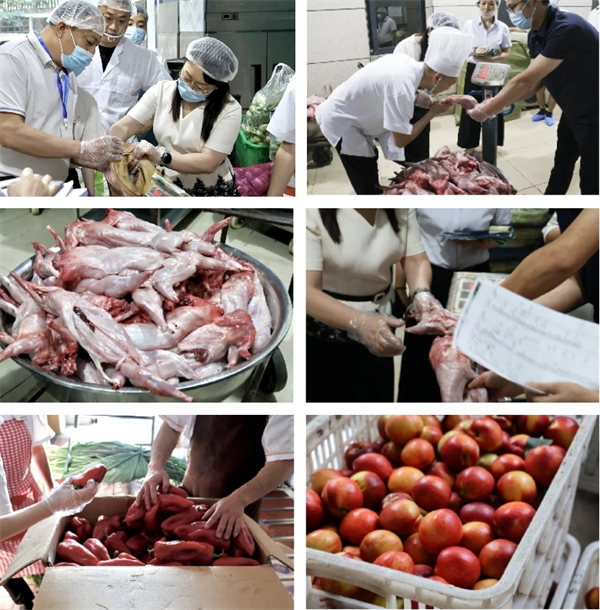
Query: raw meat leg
x,y
148,300
237,291
435,322
258,309
210,233
143,378
117,286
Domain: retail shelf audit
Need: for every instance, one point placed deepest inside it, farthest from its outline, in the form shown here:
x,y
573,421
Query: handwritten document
x,y
525,342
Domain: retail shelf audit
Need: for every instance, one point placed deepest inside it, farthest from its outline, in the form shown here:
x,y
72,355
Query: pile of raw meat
x,y
449,173
123,300
312,101
453,369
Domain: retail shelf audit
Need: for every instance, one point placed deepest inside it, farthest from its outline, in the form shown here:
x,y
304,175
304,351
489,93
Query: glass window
x,y
391,21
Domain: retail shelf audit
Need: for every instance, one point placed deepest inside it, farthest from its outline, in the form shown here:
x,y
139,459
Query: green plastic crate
x,y
248,153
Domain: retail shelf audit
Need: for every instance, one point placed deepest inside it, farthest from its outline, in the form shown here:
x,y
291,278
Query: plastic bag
x,y
263,105
274,145
253,181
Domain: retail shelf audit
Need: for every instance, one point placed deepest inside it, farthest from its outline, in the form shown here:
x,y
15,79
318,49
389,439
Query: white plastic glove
x,y
374,332
146,150
423,99
424,302
480,114
66,500
100,152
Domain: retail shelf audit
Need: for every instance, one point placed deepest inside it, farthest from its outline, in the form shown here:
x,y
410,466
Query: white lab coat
x,y
131,70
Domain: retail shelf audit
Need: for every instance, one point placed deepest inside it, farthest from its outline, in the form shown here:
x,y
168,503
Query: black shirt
x,y
105,54
574,84
589,272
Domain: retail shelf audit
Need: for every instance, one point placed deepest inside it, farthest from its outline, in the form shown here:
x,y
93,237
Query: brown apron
x,y
226,452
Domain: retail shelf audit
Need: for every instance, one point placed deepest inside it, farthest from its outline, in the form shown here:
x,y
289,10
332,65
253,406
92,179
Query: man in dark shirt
x,y
564,59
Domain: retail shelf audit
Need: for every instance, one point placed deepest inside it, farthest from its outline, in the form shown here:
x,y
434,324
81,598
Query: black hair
x,y
329,219
213,106
424,44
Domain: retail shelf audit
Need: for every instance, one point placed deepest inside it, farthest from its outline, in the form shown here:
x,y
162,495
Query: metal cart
x,y
317,146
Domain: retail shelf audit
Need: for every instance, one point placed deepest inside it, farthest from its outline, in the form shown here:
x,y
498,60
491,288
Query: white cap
x,y
117,5
447,51
441,19
214,58
78,14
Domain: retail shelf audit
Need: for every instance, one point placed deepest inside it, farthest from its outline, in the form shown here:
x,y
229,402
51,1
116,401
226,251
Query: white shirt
x,y
116,90
377,99
277,439
442,251
497,36
409,46
185,135
360,264
593,17
88,122
385,30
39,430
282,125
550,226
29,89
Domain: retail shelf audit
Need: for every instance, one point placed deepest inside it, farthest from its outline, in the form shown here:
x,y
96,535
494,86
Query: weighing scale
x,y
491,77
462,284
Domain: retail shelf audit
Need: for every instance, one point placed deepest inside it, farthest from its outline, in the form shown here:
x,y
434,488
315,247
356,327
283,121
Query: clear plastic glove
x,y
148,494
480,114
148,151
66,500
424,302
423,99
374,332
100,152
30,185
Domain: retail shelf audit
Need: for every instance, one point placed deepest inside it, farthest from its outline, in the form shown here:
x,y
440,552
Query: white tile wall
x,y
338,35
323,78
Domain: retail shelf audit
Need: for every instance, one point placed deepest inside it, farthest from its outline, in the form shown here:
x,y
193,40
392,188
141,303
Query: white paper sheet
x,y
525,342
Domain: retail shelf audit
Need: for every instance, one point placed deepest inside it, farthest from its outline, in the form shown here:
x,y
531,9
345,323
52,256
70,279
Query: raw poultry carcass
x,y
123,302
129,177
437,321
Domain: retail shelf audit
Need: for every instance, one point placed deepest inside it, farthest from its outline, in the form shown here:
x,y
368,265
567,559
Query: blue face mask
x,y
78,60
189,95
520,21
136,35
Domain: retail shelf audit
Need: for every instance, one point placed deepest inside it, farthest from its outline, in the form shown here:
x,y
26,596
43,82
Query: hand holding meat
x,y
423,99
66,500
497,387
480,113
425,302
100,152
374,332
146,150
466,101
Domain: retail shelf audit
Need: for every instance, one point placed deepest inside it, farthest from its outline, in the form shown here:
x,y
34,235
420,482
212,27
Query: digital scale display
x,y
462,284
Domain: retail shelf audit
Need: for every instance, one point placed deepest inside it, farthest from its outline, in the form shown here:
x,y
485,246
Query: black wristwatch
x,y
166,157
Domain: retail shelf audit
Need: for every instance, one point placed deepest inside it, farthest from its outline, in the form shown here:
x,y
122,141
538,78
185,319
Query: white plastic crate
x,y
527,580
588,479
586,577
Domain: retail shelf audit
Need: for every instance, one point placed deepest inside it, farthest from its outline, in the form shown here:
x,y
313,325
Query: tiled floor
x,y
18,228
526,158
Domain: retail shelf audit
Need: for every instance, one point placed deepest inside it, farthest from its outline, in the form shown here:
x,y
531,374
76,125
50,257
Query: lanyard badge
x,y
63,87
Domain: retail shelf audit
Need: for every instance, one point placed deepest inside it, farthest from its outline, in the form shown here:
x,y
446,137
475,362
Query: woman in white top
x,y
446,257
351,299
489,36
195,120
415,46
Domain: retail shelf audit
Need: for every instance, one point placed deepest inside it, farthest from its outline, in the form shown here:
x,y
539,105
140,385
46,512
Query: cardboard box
x,y
148,587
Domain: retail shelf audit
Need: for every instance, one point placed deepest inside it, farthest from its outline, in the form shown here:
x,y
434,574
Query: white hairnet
x,y
138,9
442,19
78,14
117,5
214,58
447,51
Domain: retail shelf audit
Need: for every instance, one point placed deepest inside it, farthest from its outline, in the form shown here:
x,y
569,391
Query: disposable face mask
x,y
520,21
488,14
430,91
188,94
78,60
136,35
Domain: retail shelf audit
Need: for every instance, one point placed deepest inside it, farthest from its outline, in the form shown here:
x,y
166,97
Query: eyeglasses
x,y
511,7
205,90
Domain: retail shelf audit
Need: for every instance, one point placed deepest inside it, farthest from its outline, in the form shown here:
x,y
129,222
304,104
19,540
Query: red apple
x,y
401,517
403,478
487,433
516,445
495,556
324,540
562,431
319,477
460,452
357,524
591,598
413,546
422,570
486,460
459,566
314,510
374,462
338,587
433,434
439,469
475,484
506,463
431,420
543,462
517,486
393,497
372,486
477,511
346,472
533,425
486,583
356,448
392,451
341,495
418,453
439,579
506,422
455,503
476,535
512,519
377,543
431,492
444,438
396,560
401,428
440,529
464,425
353,551
381,426
505,447
450,421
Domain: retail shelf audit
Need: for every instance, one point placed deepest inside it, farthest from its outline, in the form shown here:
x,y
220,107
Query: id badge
x,y
66,130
